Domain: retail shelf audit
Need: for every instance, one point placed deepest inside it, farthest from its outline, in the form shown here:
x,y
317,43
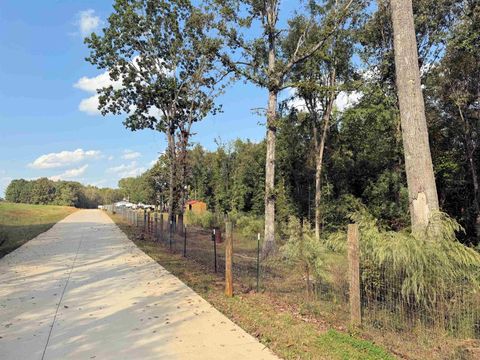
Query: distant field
x,y
21,222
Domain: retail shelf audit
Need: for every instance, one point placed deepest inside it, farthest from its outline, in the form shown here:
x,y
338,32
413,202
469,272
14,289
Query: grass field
x,y
22,222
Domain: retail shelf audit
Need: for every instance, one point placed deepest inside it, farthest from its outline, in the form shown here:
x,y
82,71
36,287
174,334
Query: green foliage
x,y
428,273
248,225
206,220
295,168
161,54
304,250
229,178
66,193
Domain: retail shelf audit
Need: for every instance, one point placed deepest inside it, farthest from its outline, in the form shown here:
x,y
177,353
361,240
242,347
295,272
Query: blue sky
x,y
42,130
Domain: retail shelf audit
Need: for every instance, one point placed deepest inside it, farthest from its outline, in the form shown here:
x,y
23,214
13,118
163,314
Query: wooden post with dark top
x,y
354,274
228,260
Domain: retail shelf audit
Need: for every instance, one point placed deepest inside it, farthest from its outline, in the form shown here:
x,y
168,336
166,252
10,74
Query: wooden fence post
x,y
354,274
228,259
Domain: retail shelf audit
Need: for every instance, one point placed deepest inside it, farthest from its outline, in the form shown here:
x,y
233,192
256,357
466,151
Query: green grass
x,y
344,346
22,222
272,321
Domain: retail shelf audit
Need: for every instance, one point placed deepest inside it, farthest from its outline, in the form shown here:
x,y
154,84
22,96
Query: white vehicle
x,y
126,204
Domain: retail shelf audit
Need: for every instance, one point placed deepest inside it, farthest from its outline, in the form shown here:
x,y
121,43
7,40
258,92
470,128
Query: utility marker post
x,y
228,260
214,250
354,274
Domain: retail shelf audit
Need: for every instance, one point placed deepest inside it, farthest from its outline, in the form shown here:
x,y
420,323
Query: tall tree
x,y
423,198
160,58
259,58
317,84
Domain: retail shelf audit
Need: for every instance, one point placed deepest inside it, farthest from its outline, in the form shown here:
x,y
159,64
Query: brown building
x,y
196,206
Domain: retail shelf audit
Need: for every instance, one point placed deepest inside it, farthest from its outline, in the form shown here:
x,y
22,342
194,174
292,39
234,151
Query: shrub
x,y
206,220
303,249
249,225
428,276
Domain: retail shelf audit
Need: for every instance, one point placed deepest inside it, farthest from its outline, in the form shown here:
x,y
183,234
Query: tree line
x,y
406,149
44,191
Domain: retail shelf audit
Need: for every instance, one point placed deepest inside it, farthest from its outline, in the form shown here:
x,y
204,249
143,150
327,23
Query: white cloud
x,y
346,100
63,158
91,85
130,155
88,22
70,173
343,101
110,158
127,170
90,105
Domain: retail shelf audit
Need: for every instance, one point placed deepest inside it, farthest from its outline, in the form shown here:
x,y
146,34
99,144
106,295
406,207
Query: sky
x,y
49,125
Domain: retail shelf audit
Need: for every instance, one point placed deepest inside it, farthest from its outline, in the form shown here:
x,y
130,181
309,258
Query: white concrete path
x,y
82,290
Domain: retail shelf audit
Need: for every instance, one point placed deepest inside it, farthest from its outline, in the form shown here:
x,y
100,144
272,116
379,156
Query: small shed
x,y
196,206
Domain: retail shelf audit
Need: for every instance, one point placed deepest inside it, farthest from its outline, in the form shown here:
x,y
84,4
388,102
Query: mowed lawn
x,y
22,222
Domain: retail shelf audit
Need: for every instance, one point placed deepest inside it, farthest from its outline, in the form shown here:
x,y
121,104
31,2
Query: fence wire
x,y
383,303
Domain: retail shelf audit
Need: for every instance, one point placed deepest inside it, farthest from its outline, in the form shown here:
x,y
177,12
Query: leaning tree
x,y
160,55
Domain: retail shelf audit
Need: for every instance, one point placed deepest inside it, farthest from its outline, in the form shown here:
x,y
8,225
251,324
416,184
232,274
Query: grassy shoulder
x,y
277,326
22,222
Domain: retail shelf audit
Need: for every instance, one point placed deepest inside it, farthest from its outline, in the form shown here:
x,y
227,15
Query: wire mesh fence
x,y
383,302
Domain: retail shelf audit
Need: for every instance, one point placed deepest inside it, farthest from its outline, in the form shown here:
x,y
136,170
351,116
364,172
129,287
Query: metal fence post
x,y
228,259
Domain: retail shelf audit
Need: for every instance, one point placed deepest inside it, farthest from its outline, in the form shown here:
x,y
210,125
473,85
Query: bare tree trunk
x,y
422,191
319,166
183,165
171,185
269,243
319,150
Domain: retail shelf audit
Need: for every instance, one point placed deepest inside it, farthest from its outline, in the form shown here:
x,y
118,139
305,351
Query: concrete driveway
x,y
82,290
